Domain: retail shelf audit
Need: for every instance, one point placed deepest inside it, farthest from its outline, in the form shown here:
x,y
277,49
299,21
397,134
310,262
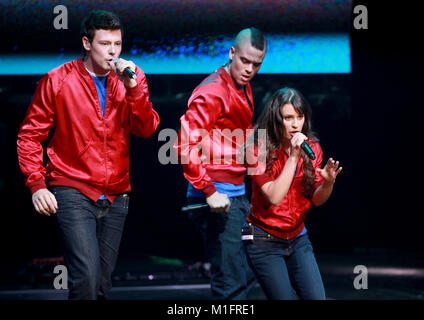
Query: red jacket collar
x,y
230,80
84,72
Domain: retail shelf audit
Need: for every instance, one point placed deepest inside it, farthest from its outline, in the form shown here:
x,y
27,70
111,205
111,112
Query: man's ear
x,y
86,43
231,53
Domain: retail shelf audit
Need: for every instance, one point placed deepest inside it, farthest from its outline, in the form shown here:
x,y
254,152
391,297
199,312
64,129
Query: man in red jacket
x,y
220,112
94,106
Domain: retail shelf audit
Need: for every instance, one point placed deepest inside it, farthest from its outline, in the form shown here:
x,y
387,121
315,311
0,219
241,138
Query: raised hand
x,y
119,68
330,171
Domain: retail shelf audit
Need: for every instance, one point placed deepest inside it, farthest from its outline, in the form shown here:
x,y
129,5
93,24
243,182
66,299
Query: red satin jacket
x,y
212,131
286,220
87,151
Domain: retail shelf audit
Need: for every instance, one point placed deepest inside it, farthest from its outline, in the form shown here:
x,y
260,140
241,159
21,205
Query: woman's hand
x,y
330,171
296,141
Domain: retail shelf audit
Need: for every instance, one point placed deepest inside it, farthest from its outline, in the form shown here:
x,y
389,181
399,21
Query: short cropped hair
x,y
99,19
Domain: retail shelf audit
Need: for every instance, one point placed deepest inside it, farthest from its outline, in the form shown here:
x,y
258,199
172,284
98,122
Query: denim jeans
x,y
231,276
286,269
90,233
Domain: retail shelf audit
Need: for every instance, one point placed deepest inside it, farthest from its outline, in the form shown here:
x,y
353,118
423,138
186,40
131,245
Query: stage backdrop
x,y
177,43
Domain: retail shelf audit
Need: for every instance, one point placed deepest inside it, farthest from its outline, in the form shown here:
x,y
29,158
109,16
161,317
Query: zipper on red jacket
x,y
247,98
289,195
104,143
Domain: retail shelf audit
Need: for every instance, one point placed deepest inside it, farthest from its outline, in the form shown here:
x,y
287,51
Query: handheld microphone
x,y
127,71
194,207
308,150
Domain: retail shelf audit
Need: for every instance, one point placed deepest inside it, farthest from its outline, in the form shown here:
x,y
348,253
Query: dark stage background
x,y
363,118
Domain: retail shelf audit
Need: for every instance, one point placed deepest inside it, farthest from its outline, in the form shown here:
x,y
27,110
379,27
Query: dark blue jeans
x,y
90,233
286,269
231,276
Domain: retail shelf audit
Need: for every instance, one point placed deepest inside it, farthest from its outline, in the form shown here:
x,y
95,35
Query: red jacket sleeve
x,y
143,119
34,130
317,163
197,122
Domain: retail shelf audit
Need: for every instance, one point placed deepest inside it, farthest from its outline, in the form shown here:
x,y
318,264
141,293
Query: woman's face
x,y
292,120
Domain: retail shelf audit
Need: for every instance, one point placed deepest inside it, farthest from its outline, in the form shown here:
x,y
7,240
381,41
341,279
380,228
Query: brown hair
x,y
272,121
99,19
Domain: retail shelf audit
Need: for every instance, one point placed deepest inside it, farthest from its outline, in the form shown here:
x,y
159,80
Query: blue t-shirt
x,y
101,84
231,190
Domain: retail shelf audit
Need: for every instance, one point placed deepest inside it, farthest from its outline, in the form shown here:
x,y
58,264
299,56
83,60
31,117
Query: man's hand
x,y
119,68
44,202
218,202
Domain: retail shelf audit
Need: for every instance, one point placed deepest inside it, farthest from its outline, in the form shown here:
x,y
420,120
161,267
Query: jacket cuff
x,y
37,185
209,190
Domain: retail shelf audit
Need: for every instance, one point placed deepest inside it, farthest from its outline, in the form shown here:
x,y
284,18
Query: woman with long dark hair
x,y
275,237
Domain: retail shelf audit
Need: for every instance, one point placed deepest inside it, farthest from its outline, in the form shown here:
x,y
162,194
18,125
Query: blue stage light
x,y
290,53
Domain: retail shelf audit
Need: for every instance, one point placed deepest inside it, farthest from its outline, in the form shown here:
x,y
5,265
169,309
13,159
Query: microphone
x,y
308,150
194,207
127,71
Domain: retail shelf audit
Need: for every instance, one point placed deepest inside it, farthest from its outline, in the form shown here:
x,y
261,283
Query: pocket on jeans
x,y
126,198
122,201
66,197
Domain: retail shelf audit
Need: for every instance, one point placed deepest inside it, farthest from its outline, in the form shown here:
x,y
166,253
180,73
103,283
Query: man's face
x,y
106,45
245,62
